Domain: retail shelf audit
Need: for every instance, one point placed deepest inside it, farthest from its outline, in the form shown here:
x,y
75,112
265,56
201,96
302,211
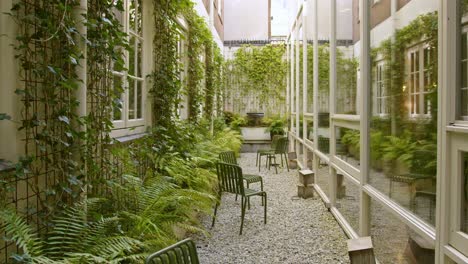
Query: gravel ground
x,y
298,230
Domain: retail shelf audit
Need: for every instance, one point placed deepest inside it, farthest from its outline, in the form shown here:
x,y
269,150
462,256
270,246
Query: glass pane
x,y
139,59
394,242
463,111
324,77
348,200
322,177
310,129
131,99
139,22
403,143
310,77
139,99
131,57
117,103
347,62
348,145
301,70
464,209
132,15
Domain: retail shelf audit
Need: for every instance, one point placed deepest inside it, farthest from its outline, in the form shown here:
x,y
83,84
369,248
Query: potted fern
x,y
276,127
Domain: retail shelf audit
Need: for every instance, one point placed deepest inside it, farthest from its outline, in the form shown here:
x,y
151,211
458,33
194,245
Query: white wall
x,y
201,11
401,19
245,19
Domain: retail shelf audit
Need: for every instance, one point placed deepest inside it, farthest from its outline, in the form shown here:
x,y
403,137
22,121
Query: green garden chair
x,y
282,150
264,152
230,180
182,252
230,157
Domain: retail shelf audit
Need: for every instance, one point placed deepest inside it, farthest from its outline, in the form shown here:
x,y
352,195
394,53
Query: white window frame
x,y
220,4
126,125
381,97
416,99
458,146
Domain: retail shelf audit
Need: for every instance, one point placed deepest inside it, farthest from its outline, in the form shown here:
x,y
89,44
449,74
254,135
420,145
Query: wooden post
x,y
306,179
361,251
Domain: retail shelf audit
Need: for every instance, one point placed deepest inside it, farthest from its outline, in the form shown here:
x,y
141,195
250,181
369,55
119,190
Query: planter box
x,y
255,134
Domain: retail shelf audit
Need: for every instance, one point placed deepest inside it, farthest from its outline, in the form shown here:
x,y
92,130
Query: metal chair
x,y
282,150
230,157
230,180
264,152
182,252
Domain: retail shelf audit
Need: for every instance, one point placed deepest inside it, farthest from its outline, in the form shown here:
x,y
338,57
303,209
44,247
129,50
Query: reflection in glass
x,y
464,209
117,103
347,195
131,99
322,177
139,100
394,242
347,62
403,135
463,112
348,145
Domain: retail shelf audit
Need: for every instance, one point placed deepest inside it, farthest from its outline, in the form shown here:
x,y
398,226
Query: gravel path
x,y
298,230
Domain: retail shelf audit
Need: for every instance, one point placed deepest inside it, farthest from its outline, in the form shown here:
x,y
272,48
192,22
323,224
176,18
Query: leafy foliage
x,y
257,72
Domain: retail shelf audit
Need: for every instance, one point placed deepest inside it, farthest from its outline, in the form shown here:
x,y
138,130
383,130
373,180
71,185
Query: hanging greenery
x,y
258,73
48,55
198,37
106,43
166,84
423,29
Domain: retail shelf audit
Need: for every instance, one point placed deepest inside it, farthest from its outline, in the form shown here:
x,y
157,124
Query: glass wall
x,y
347,195
396,243
403,133
398,93
322,177
347,61
347,145
323,133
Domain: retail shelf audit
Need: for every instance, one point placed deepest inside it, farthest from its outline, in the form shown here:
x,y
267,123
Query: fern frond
x,y
21,233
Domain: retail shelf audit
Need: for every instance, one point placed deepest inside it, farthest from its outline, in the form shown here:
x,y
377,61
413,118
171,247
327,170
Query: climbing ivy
x,y
259,72
423,29
166,84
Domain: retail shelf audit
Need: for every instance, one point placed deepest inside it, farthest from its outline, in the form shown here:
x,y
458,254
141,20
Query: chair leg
x,y
276,166
281,156
265,209
286,160
259,162
214,215
256,160
244,203
248,199
261,188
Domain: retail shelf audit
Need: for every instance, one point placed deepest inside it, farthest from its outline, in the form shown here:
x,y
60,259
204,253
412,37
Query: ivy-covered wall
x,y
255,80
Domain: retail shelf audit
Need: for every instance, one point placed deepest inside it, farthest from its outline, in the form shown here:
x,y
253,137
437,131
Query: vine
x,y
258,72
165,78
198,38
393,52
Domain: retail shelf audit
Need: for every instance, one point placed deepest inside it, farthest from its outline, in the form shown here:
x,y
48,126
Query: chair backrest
x,y
282,145
182,252
274,140
230,178
228,157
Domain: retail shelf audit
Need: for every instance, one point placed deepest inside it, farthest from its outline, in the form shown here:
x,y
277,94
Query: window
x,y
420,81
464,76
182,68
381,97
130,113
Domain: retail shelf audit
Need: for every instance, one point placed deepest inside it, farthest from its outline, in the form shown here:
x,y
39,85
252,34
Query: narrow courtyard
x,y
298,230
